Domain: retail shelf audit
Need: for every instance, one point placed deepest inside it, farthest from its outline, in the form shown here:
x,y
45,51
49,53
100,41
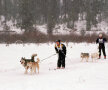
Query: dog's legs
x,y
86,59
31,70
92,59
35,70
26,69
38,68
25,72
82,60
96,59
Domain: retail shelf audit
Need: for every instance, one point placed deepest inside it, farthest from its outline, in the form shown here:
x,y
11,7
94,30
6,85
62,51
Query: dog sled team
x,y
61,51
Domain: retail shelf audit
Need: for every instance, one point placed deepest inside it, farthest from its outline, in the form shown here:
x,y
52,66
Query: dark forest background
x,y
27,13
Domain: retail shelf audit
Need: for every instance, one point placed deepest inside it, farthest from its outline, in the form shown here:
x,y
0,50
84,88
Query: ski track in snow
x,y
77,75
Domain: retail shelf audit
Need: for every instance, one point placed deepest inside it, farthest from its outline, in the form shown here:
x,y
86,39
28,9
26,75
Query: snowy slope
x,y
77,75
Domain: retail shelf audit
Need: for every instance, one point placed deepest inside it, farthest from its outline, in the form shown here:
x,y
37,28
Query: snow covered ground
x,y
77,75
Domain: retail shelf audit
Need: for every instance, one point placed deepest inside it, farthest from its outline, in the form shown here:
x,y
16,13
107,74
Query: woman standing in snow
x,y
101,42
61,50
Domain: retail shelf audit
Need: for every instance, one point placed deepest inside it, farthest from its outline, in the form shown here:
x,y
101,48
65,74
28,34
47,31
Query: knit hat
x,y
58,41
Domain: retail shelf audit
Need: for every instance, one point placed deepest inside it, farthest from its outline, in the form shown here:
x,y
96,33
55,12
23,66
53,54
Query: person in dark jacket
x,y
101,42
61,50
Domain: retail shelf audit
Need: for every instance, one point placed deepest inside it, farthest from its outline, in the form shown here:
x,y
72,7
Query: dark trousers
x,y
61,61
103,50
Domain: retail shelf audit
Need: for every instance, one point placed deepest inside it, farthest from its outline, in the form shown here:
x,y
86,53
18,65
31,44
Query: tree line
x,y
27,13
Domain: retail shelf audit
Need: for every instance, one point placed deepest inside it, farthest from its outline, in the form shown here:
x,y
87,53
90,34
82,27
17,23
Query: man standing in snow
x,y
101,42
61,50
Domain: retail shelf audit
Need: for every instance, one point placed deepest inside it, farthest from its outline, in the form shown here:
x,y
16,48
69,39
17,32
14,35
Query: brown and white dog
x,y
28,64
85,56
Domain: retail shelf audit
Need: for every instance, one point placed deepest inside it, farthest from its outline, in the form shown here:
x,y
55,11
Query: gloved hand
x,y
57,51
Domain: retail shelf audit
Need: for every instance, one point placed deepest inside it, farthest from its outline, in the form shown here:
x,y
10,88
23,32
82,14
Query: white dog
x,y
94,56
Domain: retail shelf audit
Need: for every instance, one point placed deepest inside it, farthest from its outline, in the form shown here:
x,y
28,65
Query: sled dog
x,y
84,56
94,56
29,64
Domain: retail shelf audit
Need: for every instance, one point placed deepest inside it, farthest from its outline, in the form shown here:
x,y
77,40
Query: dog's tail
x,y
38,60
33,55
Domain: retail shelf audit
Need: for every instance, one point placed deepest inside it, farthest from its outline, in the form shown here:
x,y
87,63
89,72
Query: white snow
x,y
76,76
42,28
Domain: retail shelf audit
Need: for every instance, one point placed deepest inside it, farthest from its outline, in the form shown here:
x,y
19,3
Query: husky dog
x,y
30,64
34,65
94,56
85,56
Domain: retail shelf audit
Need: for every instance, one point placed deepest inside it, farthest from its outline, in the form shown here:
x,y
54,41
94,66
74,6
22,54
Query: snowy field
x,y
77,75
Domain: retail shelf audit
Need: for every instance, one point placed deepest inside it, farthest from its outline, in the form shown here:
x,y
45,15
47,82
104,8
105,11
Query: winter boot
x,y
63,68
58,67
99,57
104,57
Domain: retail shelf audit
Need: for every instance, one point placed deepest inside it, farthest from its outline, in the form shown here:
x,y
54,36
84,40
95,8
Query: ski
x,y
52,69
